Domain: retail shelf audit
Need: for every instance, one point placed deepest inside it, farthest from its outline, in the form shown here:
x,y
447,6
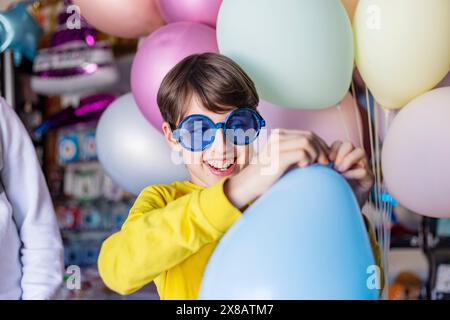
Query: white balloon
x,y
132,152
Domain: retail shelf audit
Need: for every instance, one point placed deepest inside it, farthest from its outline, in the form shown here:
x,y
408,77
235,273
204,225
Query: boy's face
x,y
219,160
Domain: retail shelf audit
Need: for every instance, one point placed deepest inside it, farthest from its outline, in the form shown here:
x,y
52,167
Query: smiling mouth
x,y
221,168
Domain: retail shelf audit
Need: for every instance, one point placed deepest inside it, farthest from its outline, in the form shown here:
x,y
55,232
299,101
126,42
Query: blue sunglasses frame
x,y
216,126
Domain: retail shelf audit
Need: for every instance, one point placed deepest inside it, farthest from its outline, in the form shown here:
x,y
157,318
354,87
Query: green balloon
x,y
298,52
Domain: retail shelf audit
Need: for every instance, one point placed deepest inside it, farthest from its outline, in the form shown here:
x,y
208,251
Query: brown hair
x,y
217,81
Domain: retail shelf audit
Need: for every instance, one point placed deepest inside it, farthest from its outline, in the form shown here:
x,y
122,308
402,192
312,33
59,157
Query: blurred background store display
x,y
60,96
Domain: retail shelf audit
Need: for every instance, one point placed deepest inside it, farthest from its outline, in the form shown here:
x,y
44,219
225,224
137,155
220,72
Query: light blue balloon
x,y
19,32
299,53
305,238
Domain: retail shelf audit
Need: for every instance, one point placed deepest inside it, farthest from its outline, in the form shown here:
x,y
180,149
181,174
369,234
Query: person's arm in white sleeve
x,y
33,212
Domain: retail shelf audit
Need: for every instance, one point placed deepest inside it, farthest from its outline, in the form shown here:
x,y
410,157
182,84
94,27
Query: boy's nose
x,y
220,144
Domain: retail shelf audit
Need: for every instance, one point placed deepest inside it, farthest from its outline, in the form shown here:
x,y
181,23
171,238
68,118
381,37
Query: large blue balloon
x,y
303,239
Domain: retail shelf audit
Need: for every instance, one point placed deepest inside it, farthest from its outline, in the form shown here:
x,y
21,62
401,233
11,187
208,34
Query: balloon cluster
x,y
394,40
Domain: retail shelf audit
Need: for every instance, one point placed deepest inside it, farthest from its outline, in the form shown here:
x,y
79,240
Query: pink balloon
x,y
416,155
330,123
126,19
159,53
201,11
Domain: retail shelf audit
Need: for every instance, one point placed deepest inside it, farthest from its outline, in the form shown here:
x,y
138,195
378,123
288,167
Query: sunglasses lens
x,y
196,133
242,127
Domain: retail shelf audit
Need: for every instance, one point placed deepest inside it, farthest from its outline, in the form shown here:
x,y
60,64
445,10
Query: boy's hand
x,y
285,149
352,163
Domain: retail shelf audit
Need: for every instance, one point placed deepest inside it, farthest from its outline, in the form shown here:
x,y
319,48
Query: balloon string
x,y
372,151
389,116
386,246
380,218
386,220
385,213
369,120
377,148
344,123
378,186
388,206
358,119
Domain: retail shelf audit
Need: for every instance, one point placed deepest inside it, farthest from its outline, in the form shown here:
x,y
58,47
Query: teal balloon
x,y
19,32
299,53
305,238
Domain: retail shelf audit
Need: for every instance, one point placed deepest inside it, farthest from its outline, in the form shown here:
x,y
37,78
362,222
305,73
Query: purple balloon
x,y
201,11
159,53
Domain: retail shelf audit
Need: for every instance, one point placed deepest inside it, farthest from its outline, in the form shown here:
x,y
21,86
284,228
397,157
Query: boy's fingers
x,y
356,174
323,159
318,143
353,158
323,154
305,159
297,156
344,149
333,150
362,175
315,147
310,147
301,143
324,150
365,161
286,134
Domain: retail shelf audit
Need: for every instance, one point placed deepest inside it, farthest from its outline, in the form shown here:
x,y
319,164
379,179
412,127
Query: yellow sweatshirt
x,y
168,237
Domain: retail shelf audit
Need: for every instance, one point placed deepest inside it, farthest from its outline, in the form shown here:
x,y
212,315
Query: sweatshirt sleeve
x,y
33,213
159,235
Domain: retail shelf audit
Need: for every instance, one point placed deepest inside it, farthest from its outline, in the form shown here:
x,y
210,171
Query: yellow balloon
x,y
402,47
350,6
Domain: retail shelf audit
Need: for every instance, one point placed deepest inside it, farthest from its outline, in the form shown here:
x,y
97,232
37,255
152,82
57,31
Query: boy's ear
x,y
167,131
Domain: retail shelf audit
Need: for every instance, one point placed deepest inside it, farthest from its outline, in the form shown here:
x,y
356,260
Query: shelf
x,y
441,243
406,242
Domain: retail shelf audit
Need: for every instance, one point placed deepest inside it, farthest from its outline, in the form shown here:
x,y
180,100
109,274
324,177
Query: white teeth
x,y
221,165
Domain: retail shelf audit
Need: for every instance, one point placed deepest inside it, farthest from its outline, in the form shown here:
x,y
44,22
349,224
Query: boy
x,y
209,107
